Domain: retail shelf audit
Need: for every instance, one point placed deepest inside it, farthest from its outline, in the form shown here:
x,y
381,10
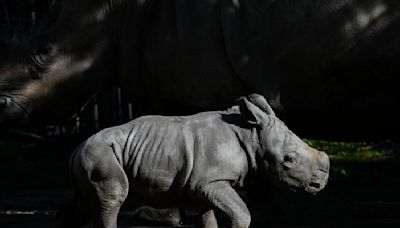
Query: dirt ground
x,y
338,206
34,184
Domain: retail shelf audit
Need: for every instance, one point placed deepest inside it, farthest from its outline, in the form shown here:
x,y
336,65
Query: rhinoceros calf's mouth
x,y
315,185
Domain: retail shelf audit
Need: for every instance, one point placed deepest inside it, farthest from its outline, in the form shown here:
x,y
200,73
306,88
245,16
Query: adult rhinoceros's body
x,y
330,67
193,160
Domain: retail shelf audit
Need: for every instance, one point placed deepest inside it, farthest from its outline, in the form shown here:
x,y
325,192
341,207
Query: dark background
x,y
364,188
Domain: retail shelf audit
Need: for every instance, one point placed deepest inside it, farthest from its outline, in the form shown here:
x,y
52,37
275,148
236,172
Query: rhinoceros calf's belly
x,y
157,187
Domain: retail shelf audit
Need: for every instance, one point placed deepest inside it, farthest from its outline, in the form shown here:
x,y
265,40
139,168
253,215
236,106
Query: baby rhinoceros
x,y
196,160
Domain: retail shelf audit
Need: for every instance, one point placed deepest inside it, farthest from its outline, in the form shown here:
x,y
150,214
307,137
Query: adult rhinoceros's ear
x,y
261,102
250,112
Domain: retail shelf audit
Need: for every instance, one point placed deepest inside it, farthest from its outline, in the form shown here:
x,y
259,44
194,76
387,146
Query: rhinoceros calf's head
x,y
286,158
291,161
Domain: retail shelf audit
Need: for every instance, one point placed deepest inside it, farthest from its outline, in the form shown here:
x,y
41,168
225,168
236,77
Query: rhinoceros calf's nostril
x,y
324,170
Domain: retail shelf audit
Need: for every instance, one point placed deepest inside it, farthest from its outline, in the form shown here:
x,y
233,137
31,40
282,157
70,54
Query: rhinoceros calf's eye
x,y
288,158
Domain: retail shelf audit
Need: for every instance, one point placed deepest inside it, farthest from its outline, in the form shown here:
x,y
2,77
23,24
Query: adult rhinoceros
x,y
328,67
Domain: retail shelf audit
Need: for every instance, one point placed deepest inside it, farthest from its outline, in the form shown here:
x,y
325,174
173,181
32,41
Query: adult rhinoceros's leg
x,y
223,198
104,182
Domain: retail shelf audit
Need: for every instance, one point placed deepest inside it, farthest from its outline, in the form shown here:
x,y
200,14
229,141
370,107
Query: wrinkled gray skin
x,y
193,160
330,68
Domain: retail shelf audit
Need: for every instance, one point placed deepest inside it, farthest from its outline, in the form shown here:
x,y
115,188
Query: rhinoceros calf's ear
x,y
261,102
251,113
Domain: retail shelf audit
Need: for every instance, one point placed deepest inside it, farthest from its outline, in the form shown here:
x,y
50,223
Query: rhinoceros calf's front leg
x,y
225,199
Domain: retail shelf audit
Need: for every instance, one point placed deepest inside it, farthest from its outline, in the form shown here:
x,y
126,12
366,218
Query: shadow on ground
x,y
34,184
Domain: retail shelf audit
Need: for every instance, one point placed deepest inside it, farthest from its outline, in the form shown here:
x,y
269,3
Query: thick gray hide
x,y
196,160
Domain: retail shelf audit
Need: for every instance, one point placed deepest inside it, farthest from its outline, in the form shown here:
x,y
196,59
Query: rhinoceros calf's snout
x,y
323,162
320,172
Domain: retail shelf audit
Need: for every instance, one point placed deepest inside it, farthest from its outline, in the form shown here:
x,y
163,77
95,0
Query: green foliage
x,y
358,161
352,151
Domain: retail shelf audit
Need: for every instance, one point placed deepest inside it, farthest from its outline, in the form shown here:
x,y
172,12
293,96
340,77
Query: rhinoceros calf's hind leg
x,y
106,184
208,219
223,198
